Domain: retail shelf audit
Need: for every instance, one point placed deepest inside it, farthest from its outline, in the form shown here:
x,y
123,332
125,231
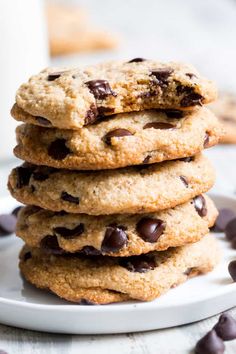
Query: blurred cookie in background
x,y
225,110
70,31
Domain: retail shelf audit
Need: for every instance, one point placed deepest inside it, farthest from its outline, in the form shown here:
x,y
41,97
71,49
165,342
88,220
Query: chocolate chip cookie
x,y
117,235
100,279
225,110
71,98
137,189
127,139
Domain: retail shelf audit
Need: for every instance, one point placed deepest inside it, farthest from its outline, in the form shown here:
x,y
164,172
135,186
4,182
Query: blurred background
x,y
35,34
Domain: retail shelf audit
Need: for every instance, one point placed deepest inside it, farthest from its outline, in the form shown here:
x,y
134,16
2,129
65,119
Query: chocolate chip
x,y
42,173
91,115
105,110
159,125
58,149
187,159
200,205
224,217
137,60
210,344
7,224
69,233
23,176
232,270
190,75
27,256
150,229
16,210
230,229
69,198
162,75
85,302
140,264
54,76
115,238
147,159
173,113
43,121
189,271
50,243
90,251
184,180
191,99
206,141
226,327
116,133
100,88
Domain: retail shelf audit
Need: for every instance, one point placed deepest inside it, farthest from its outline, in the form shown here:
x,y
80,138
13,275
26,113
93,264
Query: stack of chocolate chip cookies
x,y
114,179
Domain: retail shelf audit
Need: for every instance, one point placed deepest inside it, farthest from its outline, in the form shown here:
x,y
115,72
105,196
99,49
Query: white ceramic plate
x,y
22,305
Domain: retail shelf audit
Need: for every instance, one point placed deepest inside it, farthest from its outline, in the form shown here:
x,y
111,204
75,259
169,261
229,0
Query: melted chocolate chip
x,y
100,88
69,198
27,256
162,75
226,327
116,133
210,344
115,238
23,176
69,233
54,76
105,111
15,211
147,159
159,125
140,264
58,149
200,205
230,229
90,251
7,224
50,243
42,174
223,219
91,115
191,99
206,141
150,229
43,121
184,180
173,113
232,270
137,60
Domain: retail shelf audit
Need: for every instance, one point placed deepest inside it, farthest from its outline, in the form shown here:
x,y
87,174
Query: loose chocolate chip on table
x,y
162,75
200,205
159,125
206,141
140,264
27,256
173,113
69,198
58,149
224,217
210,344
230,229
184,180
23,176
226,327
191,99
16,210
91,115
116,133
50,243
7,224
90,251
100,88
150,229
147,159
54,76
115,238
69,233
232,270
136,60
43,121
